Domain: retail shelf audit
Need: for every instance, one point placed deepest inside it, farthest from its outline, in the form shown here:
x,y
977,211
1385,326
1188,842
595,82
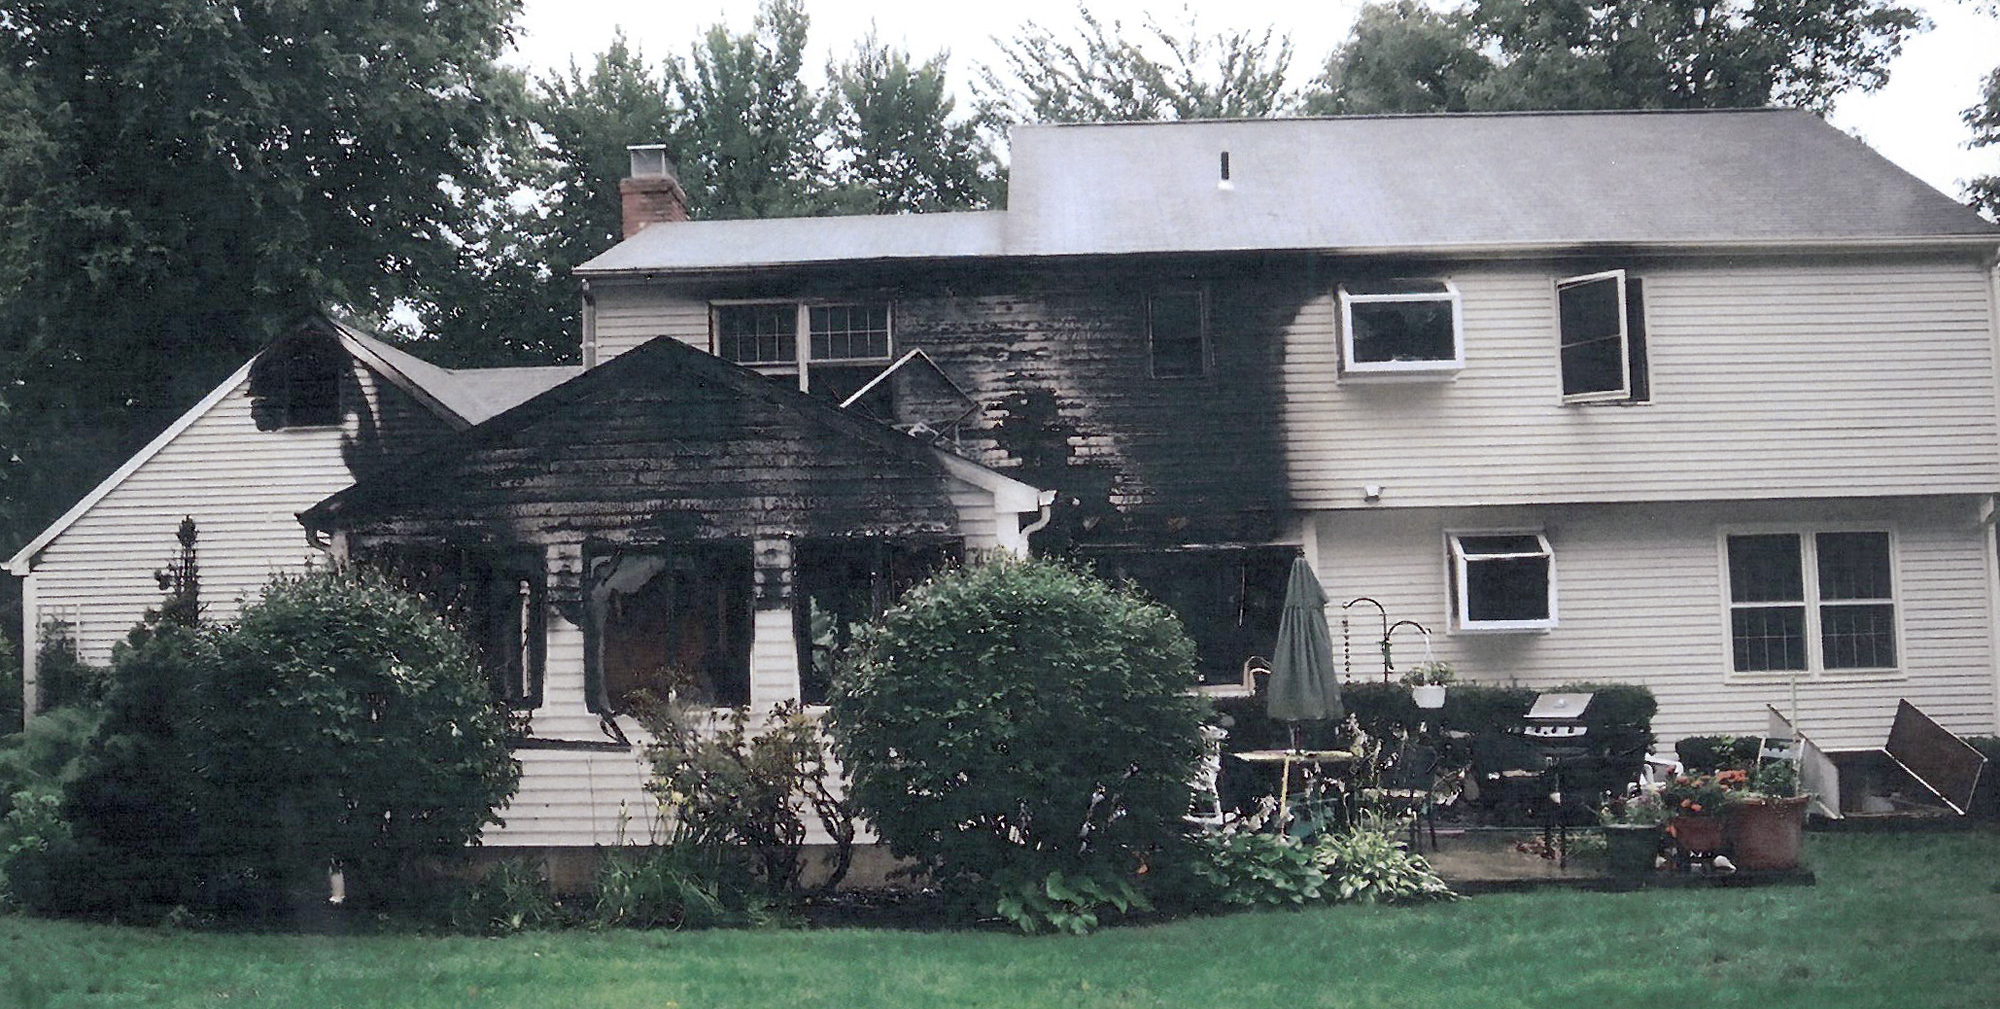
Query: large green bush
x,y
1017,719
345,724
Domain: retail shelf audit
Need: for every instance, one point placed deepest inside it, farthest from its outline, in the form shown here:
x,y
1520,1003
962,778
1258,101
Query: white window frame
x,y
1624,391
1809,575
802,362
1460,584
1403,369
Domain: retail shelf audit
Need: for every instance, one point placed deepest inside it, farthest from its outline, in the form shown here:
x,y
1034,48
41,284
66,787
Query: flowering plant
x,y
1429,674
1643,808
1699,794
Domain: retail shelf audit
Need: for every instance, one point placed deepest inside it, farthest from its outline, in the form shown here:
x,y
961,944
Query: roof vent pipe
x,y
651,194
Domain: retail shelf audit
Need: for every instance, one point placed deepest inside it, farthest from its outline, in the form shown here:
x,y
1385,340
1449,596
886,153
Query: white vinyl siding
x,y
630,314
1641,602
244,488
1798,379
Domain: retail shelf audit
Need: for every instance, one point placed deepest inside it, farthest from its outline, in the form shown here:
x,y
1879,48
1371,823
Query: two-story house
x,y
1705,401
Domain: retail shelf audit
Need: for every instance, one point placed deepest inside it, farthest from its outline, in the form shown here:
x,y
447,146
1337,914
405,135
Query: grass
x,y
1896,920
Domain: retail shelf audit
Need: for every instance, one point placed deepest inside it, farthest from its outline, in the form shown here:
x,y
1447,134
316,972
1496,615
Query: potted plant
x,y
1427,682
1765,819
1632,833
1695,803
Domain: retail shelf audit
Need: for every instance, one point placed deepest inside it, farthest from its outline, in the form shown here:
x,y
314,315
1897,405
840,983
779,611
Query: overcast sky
x,y
1914,121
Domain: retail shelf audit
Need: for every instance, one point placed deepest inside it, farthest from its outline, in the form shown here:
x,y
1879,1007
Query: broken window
x,y
494,596
1228,598
296,383
838,584
669,622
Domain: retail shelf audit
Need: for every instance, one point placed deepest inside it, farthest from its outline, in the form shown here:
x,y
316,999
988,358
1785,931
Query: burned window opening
x,y
838,584
297,384
496,597
673,622
1229,598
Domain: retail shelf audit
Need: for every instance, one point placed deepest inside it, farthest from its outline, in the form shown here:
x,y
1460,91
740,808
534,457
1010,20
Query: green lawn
x,y
1896,920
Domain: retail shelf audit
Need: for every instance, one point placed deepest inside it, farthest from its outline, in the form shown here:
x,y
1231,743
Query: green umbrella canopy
x,y
1304,683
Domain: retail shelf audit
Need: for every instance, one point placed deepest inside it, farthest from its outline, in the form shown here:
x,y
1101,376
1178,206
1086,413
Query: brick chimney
x,y
651,194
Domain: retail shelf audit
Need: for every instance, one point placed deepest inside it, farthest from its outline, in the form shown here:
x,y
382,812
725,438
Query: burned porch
x,y
667,522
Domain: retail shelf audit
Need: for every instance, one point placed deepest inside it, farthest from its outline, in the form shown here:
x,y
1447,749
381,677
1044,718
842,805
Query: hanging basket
x,y
1431,697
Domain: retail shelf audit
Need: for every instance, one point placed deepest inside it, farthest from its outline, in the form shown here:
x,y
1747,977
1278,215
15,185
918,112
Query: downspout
x,y
589,326
1047,501
1989,510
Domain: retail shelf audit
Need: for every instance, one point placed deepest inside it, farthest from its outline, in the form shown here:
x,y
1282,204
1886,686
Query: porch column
x,y
31,646
774,649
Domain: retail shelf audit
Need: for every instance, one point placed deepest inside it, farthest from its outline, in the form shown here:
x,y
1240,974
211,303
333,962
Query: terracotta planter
x,y
1629,849
1428,697
1697,835
1765,834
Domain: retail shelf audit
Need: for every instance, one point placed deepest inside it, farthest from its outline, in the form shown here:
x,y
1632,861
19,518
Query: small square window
x,y
1503,581
1603,341
1177,334
1408,326
849,332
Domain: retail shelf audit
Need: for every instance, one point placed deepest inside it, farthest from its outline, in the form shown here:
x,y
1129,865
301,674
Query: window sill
x,y
1443,372
1779,678
1538,627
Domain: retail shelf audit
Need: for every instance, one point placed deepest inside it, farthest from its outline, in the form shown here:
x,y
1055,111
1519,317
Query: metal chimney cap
x,y
649,161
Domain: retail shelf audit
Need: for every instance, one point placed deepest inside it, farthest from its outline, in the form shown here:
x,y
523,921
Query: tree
x,y
553,207
1401,57
1615,54
746,128
1103,77
184,177
1984,118
897,150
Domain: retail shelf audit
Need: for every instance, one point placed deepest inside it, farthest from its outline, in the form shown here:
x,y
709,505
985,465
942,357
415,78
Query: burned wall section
x,y
1055,353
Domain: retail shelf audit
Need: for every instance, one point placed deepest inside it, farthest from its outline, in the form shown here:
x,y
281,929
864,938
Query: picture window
x,y
1409,327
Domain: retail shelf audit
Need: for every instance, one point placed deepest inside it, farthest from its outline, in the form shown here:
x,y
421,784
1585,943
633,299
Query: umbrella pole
x,y
1284,790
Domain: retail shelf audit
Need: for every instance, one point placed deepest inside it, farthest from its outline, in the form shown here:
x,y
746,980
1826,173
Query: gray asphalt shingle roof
x,y
1378,183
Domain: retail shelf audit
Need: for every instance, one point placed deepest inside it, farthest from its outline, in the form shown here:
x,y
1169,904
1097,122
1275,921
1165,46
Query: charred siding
x,y
653,451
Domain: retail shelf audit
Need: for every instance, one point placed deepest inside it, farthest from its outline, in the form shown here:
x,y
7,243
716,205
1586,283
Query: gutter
x,y
1443,250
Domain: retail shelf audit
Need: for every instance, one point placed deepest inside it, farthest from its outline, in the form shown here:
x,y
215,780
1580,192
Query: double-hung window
x,y
1601,323
1811,602
831,348
1401,327
1502,581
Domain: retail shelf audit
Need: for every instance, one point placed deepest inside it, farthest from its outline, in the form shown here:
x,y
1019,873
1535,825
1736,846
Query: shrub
x,y
1368,864
729,791
36,848
1708,754
666,887
511,896
342,723
62,679
1016,718
1253,868
46,755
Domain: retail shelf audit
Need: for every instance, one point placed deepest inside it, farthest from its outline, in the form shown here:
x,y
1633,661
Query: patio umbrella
x,y
1304,685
